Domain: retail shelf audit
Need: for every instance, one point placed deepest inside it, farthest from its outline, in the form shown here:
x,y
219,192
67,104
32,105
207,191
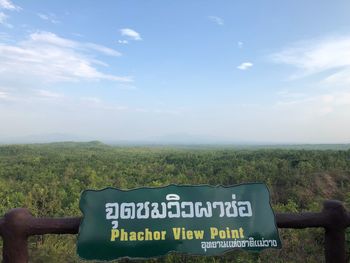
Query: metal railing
x,y
18,224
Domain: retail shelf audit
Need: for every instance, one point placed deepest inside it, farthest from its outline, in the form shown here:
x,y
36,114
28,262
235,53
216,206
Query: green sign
x,y
200,220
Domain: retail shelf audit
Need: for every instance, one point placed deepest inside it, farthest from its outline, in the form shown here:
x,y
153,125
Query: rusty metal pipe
x,y
18,224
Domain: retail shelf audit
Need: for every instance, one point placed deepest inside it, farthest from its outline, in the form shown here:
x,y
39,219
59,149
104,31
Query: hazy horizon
x,y
180,139
262,72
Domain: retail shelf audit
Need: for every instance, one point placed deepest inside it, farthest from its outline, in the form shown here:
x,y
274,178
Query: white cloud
x,y
128,32
245,65
48,38
123,42
102,49
49,17
325,107
291,95
240,44
43,16
8,5
49,94
45,58
93,100
3,95
53,39
3,18
319,104
340,78
99,104
28,95
4,36
127,87
217,20
316,56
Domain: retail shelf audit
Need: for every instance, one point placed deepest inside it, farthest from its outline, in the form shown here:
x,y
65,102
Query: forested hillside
x,y
49,178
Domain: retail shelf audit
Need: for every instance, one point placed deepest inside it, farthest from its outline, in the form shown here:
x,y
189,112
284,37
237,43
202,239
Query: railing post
x,y
335,231
14,230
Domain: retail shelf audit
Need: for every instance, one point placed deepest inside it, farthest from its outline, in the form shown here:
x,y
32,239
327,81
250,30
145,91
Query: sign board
x,y
199,220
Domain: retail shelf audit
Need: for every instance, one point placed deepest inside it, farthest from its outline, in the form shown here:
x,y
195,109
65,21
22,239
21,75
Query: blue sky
x,y
215,71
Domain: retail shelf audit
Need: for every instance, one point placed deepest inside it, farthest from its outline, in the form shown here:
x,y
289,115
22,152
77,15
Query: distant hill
x,y
203,146
44,138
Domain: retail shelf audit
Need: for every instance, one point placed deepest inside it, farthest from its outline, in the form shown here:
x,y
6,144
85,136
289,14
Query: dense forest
x,y
49,178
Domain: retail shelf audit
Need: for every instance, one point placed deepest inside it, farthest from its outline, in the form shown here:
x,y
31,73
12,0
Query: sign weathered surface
x,y
200,220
